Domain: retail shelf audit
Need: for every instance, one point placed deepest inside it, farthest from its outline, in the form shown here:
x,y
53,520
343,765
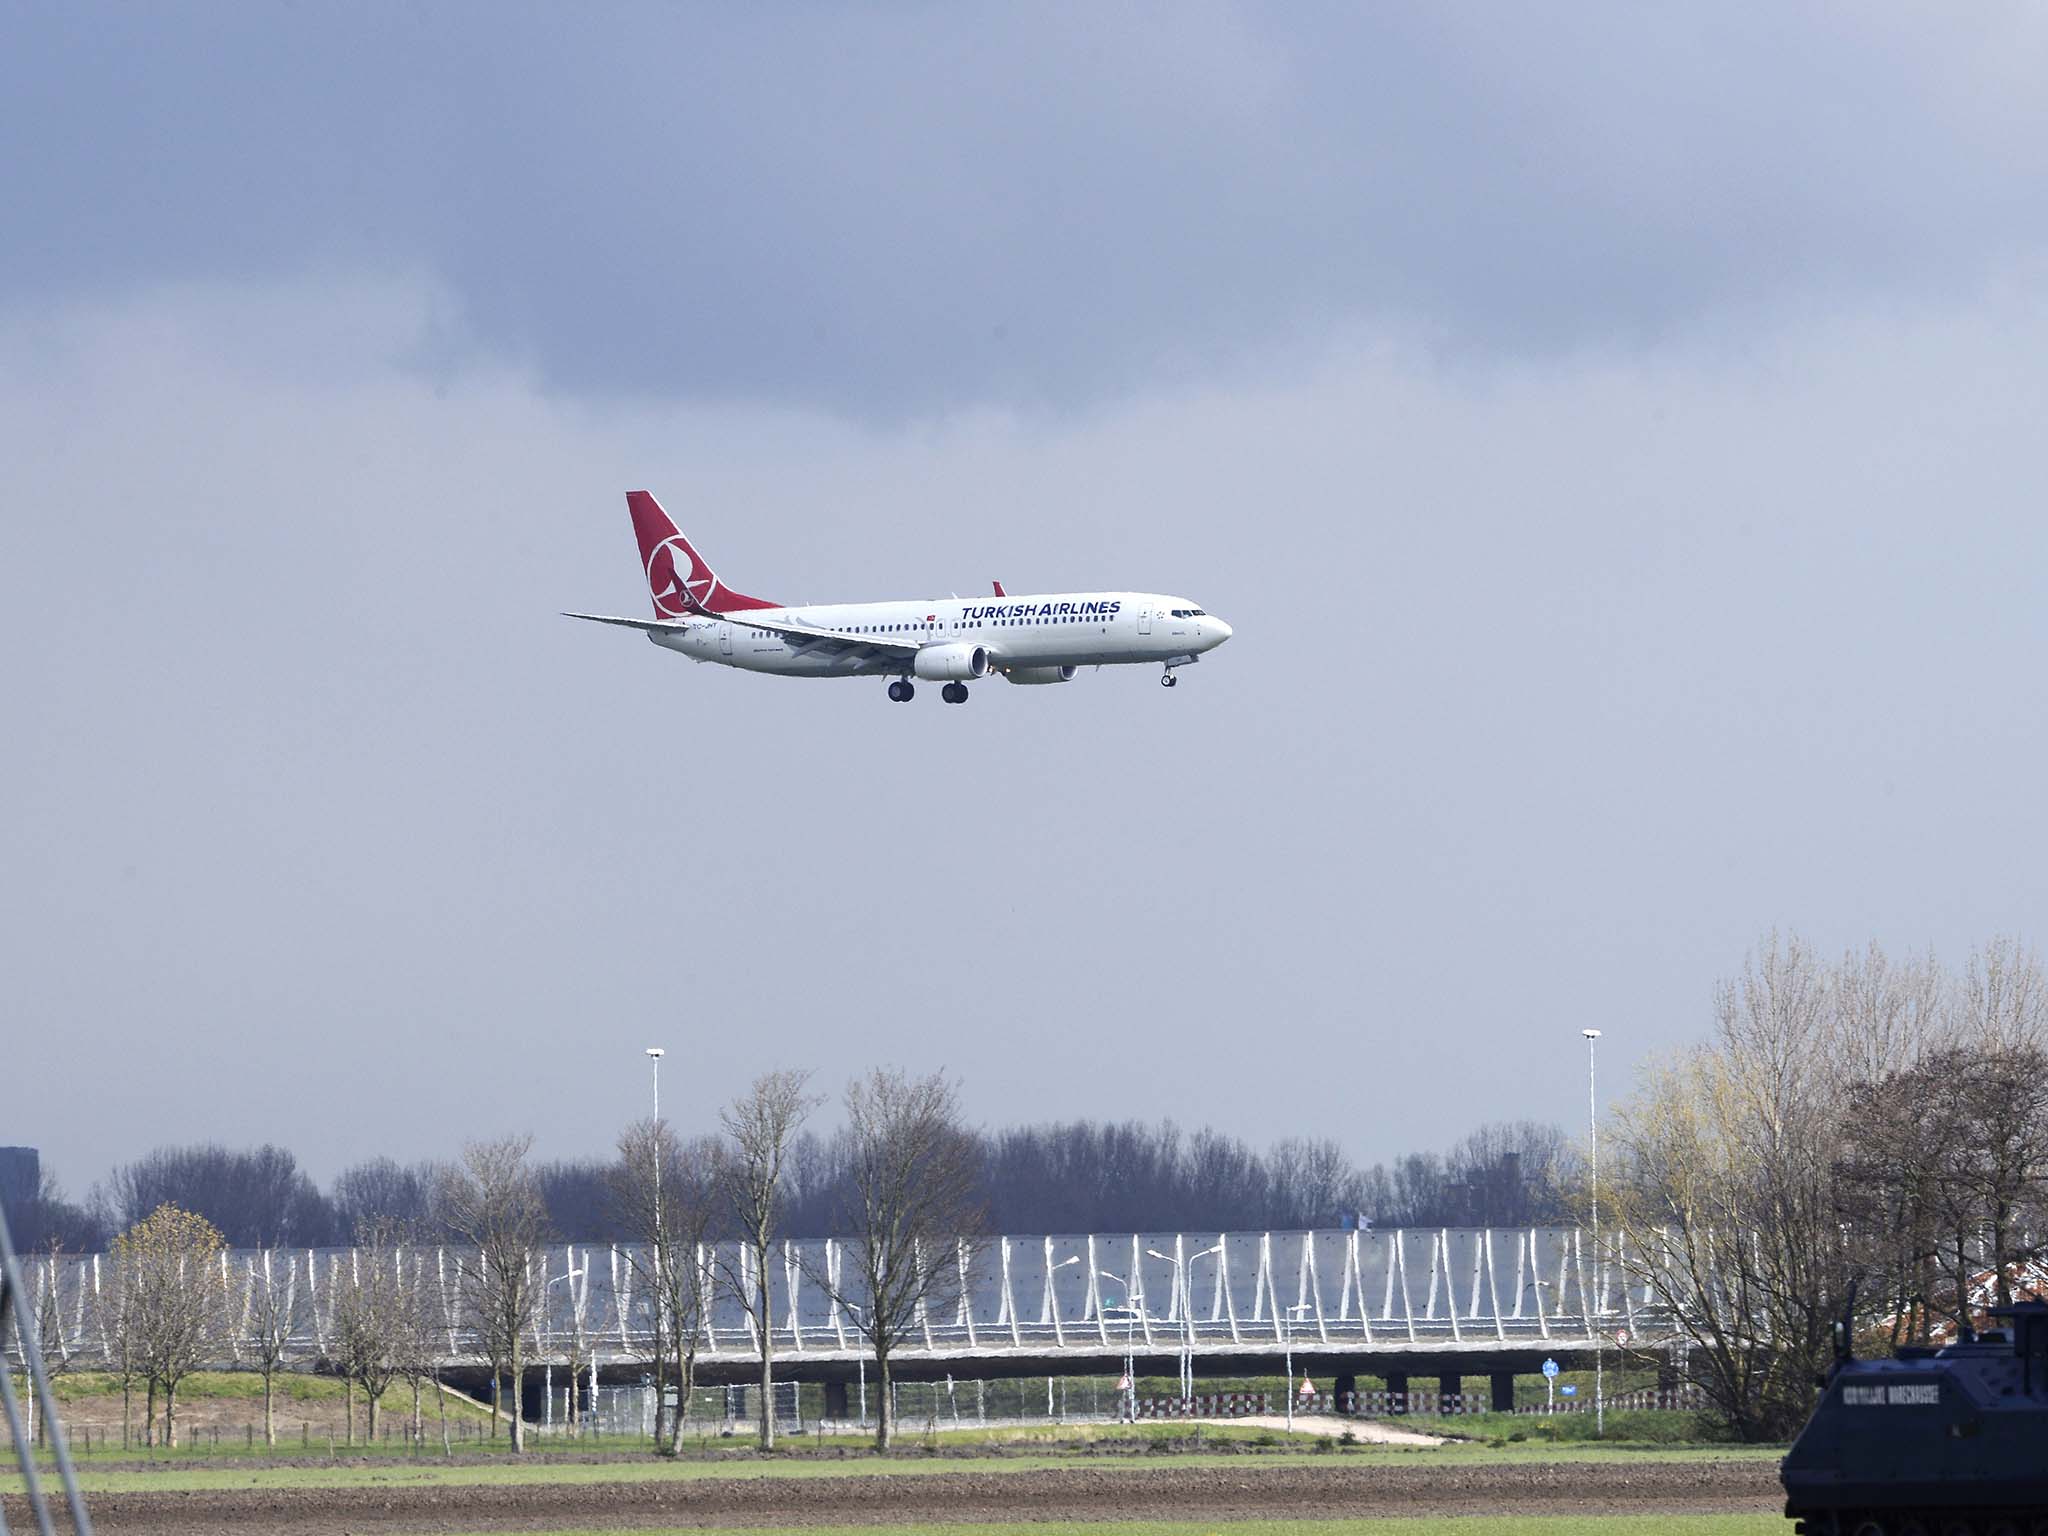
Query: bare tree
x,y
271,1313
380,1189
916,1213
663,1196
420,1338
113,1305
169,1268
1313,1181
574,1193
758,1129
45,1308
1999,1172
2002,1002
1723,1192
256,1198
492,1203
41,1218
371,1326
1944,1170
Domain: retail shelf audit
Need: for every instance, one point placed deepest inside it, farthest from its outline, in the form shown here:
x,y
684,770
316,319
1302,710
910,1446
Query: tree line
x,y
1070,1176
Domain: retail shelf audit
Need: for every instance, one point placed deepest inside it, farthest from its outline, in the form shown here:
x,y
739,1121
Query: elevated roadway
x,y
1441,1301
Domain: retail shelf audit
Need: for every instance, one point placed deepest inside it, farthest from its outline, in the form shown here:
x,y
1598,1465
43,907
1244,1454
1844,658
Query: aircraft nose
x,y
1218,631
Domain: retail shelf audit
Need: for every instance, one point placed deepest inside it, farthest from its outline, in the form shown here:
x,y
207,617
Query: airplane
x,y
1043,638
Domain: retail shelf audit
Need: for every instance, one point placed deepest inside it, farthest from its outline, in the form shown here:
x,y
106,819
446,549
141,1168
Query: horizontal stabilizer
x,y
652,626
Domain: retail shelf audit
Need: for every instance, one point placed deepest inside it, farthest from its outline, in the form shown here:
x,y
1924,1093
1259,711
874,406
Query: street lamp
x,y
861,1358
1130,1313
1066,1263
1187,1308
1287,1342
654,1055
548,1371
1593,1126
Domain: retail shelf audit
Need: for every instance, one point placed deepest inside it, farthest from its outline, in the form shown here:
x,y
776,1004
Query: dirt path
x,y
1162,1493
1369,1430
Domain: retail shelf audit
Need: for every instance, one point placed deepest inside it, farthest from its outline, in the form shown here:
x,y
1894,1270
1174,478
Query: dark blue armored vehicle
x,y
1935,1442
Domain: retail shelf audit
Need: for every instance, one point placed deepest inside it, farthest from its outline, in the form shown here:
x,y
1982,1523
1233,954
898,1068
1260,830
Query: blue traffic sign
x,y
1550,1367
1567,1391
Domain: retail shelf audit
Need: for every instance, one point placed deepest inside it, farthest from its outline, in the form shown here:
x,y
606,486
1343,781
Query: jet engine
x,y
1041,674
953,663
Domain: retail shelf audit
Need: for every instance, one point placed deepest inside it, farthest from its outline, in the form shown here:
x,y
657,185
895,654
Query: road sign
x,y
1568,1390
1550,1367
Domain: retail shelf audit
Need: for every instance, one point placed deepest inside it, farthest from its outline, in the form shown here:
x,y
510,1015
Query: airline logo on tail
x,y
678,579
673,578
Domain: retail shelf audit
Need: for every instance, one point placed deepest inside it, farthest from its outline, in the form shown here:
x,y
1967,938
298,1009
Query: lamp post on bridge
x,y
1130,1312
1067,1263
1185,1300
548,1371
1287,1316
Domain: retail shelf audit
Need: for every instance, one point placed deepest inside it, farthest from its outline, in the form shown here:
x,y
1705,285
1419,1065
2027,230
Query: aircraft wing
x,y
808,636
805,636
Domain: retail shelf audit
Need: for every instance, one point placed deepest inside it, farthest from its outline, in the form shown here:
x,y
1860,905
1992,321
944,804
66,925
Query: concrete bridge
x,y
1447,1302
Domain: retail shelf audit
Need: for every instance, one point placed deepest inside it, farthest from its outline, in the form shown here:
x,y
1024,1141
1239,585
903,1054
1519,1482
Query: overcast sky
x,y
1615,435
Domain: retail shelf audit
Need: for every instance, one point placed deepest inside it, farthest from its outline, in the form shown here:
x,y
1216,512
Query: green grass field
x,y
93,1390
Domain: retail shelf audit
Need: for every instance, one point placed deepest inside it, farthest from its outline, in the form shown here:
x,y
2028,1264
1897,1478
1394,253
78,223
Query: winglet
x,y
999,590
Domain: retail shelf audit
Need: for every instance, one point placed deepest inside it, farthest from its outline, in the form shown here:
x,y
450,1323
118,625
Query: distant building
x,y
21,1174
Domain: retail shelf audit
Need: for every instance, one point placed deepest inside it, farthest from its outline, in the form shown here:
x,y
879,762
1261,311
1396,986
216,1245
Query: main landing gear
x,y
902,691
954,693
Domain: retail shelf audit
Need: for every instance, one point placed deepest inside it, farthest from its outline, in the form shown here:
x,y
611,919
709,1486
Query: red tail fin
x,y
999,590
678,578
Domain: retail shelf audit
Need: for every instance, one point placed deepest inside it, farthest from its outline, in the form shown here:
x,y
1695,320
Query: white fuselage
x,y
1064,629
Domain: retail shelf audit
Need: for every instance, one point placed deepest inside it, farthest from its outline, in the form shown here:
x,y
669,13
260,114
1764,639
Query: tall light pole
x,y
654,1055
1186,1302
1071,1259
1287,1339
1130,1312
1593,1306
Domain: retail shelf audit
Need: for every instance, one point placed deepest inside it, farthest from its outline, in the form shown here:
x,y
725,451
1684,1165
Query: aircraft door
x,y
1144,621
725,639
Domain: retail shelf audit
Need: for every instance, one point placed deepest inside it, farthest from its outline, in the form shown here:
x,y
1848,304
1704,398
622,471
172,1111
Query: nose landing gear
x,y
954,693
1168,680
903,690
